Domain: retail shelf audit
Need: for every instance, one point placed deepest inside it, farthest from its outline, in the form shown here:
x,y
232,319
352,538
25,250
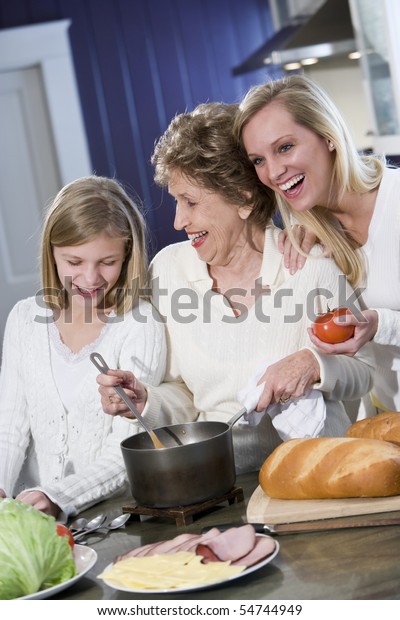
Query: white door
x,y
28,179
42,147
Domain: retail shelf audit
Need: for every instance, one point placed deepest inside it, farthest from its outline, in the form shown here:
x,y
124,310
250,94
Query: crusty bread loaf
x,y
384,426
328,468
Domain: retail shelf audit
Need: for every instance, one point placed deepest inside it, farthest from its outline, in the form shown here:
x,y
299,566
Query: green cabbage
x,y
32,555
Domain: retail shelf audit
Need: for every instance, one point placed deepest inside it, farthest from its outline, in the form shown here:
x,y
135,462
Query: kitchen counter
x,y
361,563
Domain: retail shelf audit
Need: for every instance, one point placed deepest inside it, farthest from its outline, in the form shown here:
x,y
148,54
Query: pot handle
x,y
237,416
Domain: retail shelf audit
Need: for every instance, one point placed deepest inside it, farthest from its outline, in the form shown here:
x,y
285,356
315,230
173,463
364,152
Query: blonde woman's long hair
x,y
311,107
81,211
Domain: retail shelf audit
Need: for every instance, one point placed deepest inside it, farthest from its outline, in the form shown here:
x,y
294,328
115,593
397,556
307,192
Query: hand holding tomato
x,y
62,530
364,326
328,330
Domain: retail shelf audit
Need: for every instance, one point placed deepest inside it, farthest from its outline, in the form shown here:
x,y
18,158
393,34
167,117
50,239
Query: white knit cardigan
x,y
77,464
212,354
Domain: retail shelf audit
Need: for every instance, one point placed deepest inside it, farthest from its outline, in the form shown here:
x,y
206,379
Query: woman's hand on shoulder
x,y
40,501
288,379
111,402
365,327
292,259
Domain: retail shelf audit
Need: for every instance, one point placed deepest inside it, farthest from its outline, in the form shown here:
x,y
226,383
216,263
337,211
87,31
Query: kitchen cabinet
x,y
376,26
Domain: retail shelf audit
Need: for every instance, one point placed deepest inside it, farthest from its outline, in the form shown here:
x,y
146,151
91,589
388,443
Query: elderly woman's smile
x,y
197,238
216,228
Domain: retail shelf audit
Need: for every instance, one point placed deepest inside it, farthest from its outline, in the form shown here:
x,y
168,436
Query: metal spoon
x,y
116,522
78,525
101,365
93,524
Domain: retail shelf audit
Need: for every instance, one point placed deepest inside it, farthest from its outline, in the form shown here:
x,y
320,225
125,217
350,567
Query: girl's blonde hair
x,y
81,211
311,107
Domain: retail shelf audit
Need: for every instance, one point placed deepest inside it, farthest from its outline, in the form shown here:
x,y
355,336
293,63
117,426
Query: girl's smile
x,y
90,270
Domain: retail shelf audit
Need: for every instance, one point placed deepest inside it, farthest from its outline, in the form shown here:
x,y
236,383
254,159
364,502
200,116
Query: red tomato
x,y
328,331
62,530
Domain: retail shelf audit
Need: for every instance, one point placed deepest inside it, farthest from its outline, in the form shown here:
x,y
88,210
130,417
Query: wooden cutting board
x,y
264,509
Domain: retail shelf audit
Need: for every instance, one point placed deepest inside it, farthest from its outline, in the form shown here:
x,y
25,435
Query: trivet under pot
x,y
183,515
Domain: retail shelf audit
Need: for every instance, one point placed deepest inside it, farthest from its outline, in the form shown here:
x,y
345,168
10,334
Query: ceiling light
x,y
309,61
354,55
292,66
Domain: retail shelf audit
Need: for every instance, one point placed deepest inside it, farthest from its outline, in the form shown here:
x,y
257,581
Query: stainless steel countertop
x,y
337,565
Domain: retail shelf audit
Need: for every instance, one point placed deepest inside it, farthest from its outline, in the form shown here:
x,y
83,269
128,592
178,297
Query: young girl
x,y
58,451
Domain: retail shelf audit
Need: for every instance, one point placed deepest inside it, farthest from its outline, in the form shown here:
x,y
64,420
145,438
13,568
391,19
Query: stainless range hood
x,y
327,33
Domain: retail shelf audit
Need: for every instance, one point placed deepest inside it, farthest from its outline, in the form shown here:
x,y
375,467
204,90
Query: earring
x,y
331,145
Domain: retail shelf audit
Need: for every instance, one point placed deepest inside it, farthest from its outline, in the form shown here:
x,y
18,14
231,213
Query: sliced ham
x,y
208,555
202,539
183,542
239,545
232,544
173,545
134,552
262,549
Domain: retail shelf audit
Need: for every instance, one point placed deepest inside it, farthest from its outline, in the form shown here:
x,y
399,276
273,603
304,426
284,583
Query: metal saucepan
x,y
201,468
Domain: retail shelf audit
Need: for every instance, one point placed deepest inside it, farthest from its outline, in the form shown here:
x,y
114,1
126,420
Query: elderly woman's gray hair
x,y
201,145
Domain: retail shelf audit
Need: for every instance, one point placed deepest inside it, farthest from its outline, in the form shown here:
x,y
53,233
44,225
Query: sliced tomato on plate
x,y
62,530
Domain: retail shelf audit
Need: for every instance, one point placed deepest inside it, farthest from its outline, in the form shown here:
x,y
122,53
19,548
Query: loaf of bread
x,y
384,426
332,467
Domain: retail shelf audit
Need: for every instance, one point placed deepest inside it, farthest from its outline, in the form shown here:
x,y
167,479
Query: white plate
x,y
247,571
85,558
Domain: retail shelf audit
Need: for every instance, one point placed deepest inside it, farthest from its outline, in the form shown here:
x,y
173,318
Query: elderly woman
x,y
233,313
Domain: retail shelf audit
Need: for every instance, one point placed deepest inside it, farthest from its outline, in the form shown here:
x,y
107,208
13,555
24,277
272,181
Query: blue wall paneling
x,y
140,62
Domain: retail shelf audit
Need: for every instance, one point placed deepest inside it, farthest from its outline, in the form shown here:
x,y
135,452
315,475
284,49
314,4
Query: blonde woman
x,y
58,452
301,148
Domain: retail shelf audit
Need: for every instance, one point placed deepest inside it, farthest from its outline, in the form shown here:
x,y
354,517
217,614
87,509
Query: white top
x,y
214,353
69,368
382,253
71,452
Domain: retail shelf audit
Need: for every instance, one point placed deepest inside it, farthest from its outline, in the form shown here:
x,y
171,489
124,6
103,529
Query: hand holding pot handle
x,y
237,416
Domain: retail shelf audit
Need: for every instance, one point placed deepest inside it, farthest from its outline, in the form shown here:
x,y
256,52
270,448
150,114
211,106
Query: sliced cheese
x,y
167,571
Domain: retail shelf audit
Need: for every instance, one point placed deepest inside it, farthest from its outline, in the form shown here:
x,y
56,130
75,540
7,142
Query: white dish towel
x,y
302,417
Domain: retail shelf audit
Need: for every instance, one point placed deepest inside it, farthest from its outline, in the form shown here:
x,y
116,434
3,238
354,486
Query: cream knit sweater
x,y
212,354
73,456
